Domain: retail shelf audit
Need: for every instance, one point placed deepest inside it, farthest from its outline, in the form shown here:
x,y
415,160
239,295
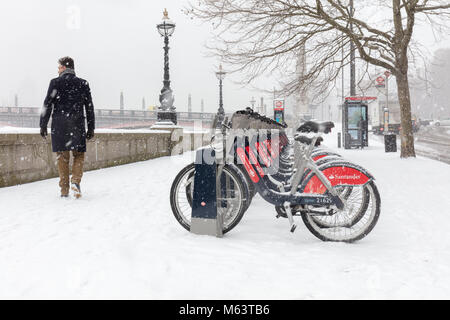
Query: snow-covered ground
x,y
121,241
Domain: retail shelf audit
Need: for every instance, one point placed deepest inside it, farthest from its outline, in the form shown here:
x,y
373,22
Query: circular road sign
x,y
380,80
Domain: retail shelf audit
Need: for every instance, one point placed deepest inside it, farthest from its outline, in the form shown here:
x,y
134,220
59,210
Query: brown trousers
x,y
63,159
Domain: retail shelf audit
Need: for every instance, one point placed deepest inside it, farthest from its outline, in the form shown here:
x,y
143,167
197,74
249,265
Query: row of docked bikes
x,y
336,199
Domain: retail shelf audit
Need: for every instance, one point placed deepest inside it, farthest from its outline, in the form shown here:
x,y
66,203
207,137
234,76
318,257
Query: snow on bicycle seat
x,y
304,139
311,126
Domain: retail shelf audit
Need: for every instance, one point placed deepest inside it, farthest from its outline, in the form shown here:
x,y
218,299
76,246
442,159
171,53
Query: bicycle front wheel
x,y
350,224
357,197
232,202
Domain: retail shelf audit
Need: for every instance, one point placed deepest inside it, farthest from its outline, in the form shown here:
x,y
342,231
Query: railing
x,y
29,116
16,110
113,112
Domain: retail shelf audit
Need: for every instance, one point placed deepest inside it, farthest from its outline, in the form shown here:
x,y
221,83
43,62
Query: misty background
x,y
116,47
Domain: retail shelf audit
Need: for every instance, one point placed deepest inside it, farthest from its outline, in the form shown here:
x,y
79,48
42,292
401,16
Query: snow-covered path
x,y
121,241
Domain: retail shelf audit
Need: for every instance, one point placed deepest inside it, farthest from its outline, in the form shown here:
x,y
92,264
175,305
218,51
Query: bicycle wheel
x,y
357,198
251,188
339,231
233,202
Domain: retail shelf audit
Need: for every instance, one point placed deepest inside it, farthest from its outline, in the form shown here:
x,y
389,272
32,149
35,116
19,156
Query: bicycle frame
x,y
315,186
254,168
286,176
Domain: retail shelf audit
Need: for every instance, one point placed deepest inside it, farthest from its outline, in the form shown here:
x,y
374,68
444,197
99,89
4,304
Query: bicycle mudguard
x,y
319,155
340,173
327,159
248,166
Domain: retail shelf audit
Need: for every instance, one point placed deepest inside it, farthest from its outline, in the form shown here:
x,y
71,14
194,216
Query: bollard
x,y
390,142
339,139
347,139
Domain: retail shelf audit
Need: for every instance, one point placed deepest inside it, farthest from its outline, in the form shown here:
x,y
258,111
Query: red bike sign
x,y
380,82
278,105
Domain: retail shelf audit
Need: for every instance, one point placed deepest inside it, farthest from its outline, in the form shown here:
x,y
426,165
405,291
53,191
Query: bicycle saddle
x,y
311,126
306,140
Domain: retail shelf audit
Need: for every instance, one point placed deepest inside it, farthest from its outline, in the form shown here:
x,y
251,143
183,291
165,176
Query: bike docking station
x,y
205,220
209,186
336,198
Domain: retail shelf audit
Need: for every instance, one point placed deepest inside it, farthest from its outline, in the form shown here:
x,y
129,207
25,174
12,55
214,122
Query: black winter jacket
x,y
67,98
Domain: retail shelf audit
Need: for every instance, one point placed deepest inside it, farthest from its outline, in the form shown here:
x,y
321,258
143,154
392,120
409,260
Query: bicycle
x,y
337,200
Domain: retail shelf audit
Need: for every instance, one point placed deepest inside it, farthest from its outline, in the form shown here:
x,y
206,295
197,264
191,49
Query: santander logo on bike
x,y
345,175
354,177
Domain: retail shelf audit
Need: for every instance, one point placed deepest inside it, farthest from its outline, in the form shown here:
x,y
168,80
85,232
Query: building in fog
x,y
301,104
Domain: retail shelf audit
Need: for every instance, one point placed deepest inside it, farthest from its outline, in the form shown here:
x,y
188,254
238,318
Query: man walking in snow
x,y
67,98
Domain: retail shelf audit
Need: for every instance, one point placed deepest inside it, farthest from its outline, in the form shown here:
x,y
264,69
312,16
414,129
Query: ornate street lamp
x,y
221,112
166,111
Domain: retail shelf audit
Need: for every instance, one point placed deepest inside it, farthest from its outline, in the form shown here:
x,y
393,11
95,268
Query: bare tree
x,y
264,36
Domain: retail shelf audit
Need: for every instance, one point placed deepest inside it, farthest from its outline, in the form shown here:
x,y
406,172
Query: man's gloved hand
x,y
44,132
90,134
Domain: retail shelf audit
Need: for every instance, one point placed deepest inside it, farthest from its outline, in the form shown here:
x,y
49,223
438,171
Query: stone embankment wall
x,y
28,157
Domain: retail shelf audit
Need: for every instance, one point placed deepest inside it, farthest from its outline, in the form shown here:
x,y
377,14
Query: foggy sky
x,y
116,47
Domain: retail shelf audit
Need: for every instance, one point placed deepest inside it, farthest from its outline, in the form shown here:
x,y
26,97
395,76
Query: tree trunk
x,y
406,133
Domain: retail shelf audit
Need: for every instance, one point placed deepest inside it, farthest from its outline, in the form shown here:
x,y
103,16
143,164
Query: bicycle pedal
x,y
294,226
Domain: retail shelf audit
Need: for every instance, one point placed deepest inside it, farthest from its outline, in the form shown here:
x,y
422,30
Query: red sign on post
x,y
278,105
380,82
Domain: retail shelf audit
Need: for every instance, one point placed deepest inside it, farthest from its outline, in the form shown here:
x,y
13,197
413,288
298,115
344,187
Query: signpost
x,y
387,74
278,111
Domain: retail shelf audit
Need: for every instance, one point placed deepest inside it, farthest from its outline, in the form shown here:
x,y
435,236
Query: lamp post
x,y
189,103
352,57
386,109
221,112
166,111
386,120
